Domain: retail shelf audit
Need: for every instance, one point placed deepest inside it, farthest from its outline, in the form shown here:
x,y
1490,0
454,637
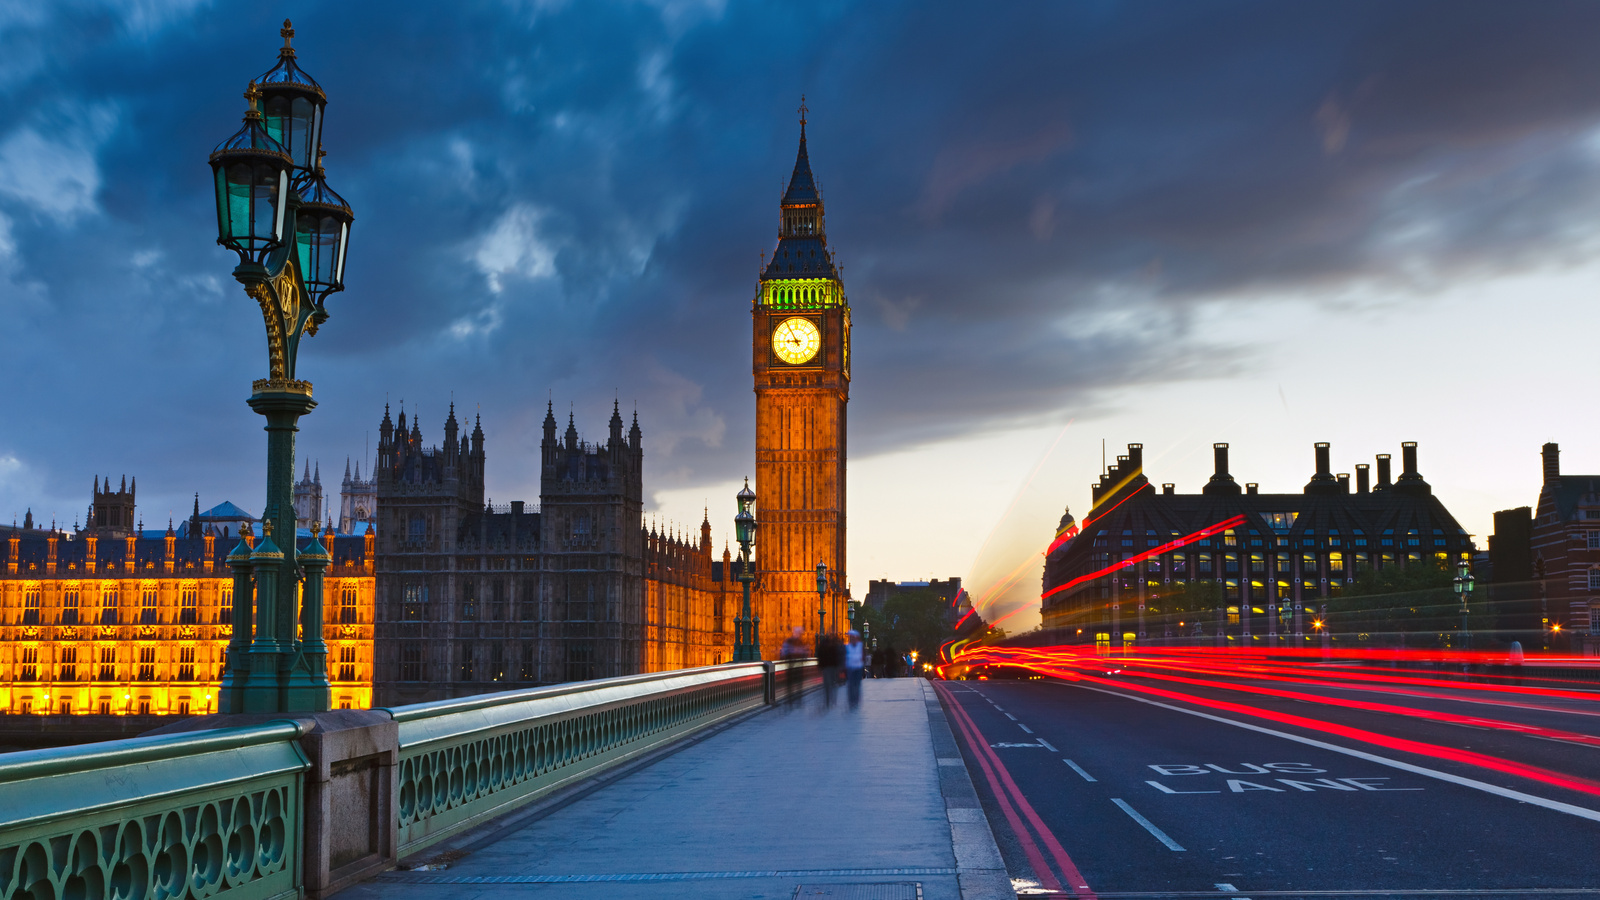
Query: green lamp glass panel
x,y
292,122
318,241
248,214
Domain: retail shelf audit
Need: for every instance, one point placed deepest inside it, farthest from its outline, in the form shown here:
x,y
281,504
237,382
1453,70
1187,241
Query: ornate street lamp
x,y
822,600
1463,587
745,646
290,231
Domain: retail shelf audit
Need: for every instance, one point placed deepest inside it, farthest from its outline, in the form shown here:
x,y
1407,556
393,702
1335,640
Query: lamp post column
x,y
746,646
822,599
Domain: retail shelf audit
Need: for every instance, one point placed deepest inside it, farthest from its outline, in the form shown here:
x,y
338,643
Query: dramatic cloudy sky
x,y
1174,223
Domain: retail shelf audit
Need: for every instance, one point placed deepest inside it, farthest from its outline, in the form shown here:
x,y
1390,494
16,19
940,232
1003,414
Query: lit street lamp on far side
x,y
745,647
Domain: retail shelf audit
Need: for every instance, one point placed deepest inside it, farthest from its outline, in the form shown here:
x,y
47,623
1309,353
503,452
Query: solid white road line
x,y
1556,805
1148,825
1079,769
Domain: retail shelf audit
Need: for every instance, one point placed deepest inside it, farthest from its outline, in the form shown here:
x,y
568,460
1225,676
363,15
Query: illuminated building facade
x,y
475,597
1566,555
800,348
1135,568
112,620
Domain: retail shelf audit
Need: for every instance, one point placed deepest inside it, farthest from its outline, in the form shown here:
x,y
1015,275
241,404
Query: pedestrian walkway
x,y
784,803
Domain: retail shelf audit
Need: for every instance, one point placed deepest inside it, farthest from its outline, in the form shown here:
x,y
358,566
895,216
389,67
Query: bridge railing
x,y
187,815
313,805
467,760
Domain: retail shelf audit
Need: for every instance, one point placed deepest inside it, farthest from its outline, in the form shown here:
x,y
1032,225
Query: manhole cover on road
x,y
884,890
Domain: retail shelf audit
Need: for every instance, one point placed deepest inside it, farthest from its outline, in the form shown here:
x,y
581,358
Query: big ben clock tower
x,y
801,362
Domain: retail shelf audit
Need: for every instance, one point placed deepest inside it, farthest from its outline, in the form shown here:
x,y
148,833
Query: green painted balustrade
x,y
467,760
189,815
222,812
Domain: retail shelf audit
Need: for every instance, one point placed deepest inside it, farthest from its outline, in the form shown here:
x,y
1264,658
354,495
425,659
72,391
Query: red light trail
x,y
1200,669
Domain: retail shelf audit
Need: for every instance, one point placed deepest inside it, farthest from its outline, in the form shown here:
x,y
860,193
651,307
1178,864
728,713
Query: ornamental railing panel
x,y
211,813
467,760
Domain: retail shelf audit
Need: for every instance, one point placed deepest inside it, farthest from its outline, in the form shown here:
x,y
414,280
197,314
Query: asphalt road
x,y
1101,789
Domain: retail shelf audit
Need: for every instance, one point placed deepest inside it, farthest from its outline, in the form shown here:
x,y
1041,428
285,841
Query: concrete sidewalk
x,y
824,799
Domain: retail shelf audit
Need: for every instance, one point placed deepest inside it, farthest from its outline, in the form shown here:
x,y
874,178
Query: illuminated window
x,y
110,599
147,664
1308,564
30,605
69,606
416,601
1233,615
189,605
1281,521
30,664
225,606
347,663
1335,564
1232,586
69,664
108,664
1231,562
144,706
347,605
1229,539
1284,590
147,607
186,664
1258,564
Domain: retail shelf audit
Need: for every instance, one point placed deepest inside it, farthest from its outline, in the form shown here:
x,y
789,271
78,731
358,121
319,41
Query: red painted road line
x,y
1047,879
1079,885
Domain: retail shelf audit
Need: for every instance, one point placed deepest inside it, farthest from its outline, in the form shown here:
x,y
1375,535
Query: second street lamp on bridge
x,y
745,646
822,599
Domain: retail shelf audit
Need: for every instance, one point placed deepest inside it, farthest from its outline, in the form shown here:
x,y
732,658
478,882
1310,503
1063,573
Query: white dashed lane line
x,y
1025,728
1011,717
1077,768
1046,744
1148,825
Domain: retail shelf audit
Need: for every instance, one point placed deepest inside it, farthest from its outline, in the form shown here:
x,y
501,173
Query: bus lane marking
x,y
1148,826
1509,794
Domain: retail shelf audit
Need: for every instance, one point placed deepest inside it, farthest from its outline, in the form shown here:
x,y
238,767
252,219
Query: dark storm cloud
x,y
567,199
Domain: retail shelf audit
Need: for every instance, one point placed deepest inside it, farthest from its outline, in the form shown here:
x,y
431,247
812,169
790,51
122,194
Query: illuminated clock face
x,y
796,340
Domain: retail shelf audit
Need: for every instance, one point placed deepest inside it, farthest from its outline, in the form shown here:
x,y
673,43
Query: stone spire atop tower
x,y
616,423
802,250
572,432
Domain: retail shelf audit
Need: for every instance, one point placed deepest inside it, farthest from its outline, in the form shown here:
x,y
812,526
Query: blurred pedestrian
x,y
830,656
792,652
854,664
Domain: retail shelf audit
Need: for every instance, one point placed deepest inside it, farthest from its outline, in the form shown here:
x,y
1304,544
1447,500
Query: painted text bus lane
x,y
1269,777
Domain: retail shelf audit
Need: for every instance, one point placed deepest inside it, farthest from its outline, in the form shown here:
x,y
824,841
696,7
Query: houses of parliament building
x,y
112,619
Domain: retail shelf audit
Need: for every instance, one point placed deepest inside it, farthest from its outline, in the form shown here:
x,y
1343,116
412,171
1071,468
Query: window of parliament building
x,y
111,619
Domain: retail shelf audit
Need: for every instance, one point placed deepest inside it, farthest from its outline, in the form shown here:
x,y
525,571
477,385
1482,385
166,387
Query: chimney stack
x,y
1322,482
1168,488
1552,462
1383,473
1362,484
1250,487
1221,482
1410,479
1136,455
1344,482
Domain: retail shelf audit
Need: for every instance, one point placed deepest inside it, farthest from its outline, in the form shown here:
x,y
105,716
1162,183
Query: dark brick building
x,y
1273,566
